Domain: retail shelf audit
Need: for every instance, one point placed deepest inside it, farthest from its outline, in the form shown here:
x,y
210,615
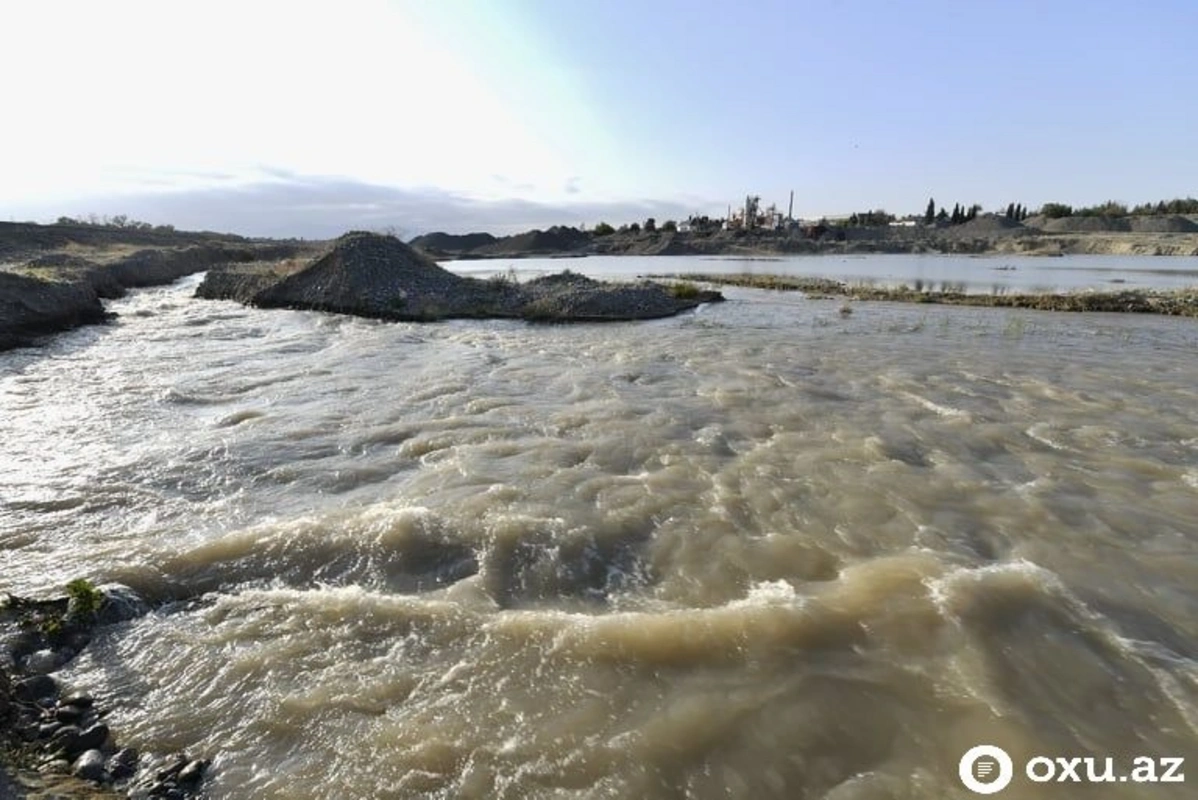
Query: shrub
x,y
684,290
84,599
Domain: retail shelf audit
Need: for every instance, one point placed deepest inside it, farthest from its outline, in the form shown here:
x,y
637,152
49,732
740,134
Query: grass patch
x,y
684,290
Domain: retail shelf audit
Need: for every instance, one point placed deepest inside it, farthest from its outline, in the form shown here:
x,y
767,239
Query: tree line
x,y
959,213
121,221
1113,209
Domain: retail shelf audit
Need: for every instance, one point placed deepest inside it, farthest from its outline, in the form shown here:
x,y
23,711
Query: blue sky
x,y
306,119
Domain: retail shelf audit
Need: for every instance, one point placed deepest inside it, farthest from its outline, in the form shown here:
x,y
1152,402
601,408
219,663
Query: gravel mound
x,y
1163,224
379,276
1087,225
558,239
368,274
441,242
577,297
987,225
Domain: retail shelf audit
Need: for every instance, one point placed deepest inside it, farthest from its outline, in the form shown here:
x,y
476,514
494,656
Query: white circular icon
x,y
986,769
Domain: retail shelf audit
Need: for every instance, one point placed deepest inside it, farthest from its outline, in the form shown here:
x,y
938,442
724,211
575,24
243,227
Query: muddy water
x,y
762,550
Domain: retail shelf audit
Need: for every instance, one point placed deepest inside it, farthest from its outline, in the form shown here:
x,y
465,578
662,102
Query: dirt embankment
x,y
990,233
377,276
54,277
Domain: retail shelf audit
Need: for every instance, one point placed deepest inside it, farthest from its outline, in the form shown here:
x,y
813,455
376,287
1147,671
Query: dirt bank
x,y
54,277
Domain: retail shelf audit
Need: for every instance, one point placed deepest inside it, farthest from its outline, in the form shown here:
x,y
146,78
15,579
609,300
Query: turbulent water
x,y
762,550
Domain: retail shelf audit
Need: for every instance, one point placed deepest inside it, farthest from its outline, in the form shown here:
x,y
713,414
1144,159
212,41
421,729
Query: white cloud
x,y
120,96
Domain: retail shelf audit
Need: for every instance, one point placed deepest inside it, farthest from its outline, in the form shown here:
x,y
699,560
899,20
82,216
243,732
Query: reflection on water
x,y
762,550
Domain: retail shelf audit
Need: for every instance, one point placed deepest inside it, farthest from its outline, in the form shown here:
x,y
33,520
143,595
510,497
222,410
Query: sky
x,y
308,119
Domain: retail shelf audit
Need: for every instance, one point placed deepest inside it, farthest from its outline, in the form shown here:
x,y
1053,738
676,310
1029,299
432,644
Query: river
x,y
766,549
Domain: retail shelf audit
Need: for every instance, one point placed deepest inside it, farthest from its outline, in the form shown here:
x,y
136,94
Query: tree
x,y
942,215
603,229
957,217
634,228
1010,211
650,225
669,226
1056,210
929,215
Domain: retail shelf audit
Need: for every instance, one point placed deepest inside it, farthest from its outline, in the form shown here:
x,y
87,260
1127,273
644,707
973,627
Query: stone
x,y
121,604
79,701
123,763
94,737
66,736
172,769
69,714
89,766
47,729
72,741
36,687
193,772
42,662
55,765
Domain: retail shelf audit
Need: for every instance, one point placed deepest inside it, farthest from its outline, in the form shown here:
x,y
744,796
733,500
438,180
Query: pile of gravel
x,y
987,225
577,297
379,276
441,242
1163,224
1087,225
558,239
372,275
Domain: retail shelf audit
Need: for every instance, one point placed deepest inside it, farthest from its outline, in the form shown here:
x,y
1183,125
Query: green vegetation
x,y
1111,208
669,226
603,229
84,599
684,290
53,619
1056,210
1175,206
870,219
1017,212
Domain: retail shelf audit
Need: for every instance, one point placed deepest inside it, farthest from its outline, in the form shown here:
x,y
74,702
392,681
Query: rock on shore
x,y
30,307
379,276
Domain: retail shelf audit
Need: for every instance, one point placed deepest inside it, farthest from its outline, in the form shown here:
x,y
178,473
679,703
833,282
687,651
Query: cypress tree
x,y
929,216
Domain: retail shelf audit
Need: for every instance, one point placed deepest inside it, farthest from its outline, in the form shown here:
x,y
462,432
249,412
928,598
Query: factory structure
x,y
752,217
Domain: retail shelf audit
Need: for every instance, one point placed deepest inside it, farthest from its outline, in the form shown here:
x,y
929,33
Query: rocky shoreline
x,y
54,743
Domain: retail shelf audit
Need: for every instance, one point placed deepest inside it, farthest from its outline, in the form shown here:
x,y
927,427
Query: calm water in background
x,y
985,274
761,550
